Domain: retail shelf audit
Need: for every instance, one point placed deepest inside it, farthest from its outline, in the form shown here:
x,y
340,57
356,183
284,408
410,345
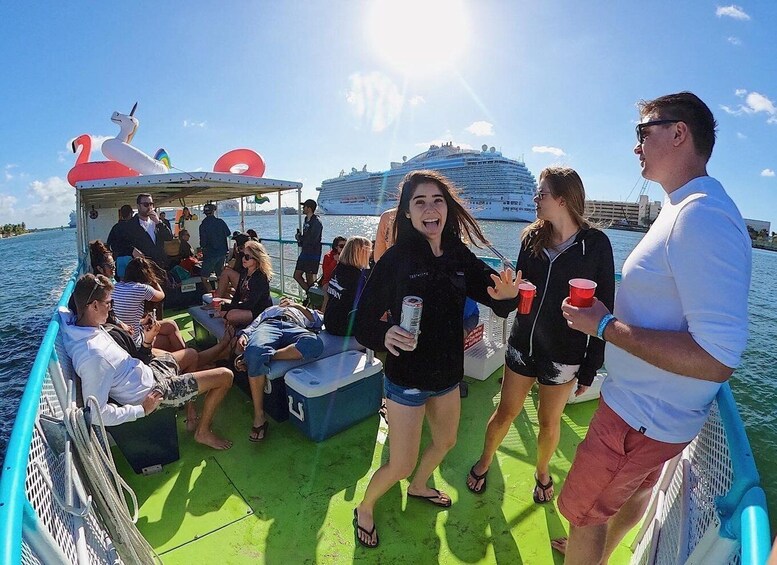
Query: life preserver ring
x,y
237,157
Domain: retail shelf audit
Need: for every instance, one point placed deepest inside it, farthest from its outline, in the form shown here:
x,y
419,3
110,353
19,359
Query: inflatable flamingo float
x,y
85,170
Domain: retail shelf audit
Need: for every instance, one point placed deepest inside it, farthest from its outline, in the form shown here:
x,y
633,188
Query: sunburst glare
x,y
418,37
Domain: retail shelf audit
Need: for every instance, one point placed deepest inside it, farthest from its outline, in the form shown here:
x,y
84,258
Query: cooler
x,y
334,393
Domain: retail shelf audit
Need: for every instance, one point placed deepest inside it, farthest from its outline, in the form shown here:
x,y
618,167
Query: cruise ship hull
x,y
492,186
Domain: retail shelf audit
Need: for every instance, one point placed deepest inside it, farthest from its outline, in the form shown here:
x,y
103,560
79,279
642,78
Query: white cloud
x,y
732,11
417,100
755,103
734,40
374,99
546,149
53,199
481,128
767,173
8,168
191,124
741,135
7,202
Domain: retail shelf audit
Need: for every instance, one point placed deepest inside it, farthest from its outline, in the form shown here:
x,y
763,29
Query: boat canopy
x,y
177,189
173,190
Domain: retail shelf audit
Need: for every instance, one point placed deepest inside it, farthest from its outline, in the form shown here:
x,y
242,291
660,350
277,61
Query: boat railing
x,y
712,510
284,253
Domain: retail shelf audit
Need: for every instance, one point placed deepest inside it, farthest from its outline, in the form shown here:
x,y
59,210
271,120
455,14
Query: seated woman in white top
x,y
142,282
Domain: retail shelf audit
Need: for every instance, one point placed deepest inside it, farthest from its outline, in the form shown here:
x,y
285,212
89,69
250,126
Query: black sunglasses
x,y
640,129
247,257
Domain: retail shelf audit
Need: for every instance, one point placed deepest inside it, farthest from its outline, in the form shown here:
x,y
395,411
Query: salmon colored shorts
x,y
613,462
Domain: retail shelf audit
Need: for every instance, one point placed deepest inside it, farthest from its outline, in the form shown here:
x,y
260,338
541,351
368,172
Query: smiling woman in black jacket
x,y
430,261
560,245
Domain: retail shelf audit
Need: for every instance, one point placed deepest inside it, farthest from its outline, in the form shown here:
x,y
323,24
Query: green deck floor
x,y
290,500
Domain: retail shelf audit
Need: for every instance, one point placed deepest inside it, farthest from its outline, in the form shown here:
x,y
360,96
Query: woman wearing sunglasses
x,y
560,245
252,293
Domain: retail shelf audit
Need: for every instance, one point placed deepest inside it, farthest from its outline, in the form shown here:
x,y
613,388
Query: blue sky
x,y
316,87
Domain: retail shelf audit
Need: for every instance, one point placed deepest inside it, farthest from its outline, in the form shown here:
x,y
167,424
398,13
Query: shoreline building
x,y
640,213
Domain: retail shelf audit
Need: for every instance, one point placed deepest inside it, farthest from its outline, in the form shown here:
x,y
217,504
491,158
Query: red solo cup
x,y
216,302
581,293
526,293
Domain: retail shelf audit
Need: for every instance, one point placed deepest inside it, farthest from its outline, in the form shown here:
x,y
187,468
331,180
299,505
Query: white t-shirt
x,y
690,273
129,304
149,226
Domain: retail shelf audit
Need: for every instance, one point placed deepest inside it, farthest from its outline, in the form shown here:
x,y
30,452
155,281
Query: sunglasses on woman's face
x,y
247,257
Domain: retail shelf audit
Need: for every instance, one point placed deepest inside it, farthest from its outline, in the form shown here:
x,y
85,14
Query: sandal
x,y
256,430
431,498
240,364
544,488
477,479
365,531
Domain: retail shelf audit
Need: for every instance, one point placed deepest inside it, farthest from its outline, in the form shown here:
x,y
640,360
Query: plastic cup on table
x,y
581,293
526,293
216,302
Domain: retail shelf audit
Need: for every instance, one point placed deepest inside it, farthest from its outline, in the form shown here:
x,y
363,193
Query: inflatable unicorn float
x,y
125,160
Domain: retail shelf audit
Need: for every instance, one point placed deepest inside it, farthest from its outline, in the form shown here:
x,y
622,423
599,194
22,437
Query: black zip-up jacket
x,y
409,268
543,333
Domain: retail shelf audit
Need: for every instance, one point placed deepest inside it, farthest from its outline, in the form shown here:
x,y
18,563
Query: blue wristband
x,y
606,319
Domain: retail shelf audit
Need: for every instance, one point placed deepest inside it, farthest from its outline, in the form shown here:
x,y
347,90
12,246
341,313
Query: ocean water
x,y
37,266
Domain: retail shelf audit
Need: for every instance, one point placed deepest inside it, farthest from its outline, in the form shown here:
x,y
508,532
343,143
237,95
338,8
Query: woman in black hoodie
x,y
560,245
430,261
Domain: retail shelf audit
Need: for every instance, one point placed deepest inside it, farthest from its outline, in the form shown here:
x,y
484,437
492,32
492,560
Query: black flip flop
x,y
544,488
431,499
358,528
259,430
477,478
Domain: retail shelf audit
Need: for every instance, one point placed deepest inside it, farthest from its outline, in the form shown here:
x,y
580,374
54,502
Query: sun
x,y
418,37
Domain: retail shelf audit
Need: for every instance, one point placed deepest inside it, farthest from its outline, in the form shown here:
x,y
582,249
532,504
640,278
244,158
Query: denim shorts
x,y
412,396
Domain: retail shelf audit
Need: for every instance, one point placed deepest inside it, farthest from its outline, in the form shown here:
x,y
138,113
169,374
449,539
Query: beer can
x,y
411,314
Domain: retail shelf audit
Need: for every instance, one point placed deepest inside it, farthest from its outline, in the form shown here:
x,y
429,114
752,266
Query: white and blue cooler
x,y
334,393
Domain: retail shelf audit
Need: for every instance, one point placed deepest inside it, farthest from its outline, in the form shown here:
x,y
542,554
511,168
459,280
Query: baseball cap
x,y
310,203
240,238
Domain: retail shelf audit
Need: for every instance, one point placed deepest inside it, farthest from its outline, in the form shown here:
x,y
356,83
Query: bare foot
x,y
560,545
207,437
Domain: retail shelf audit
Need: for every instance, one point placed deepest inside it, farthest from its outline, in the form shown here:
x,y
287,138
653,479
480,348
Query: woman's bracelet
x,y
146,344
606,319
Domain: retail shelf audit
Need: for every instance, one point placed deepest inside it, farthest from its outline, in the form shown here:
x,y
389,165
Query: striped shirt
x,y
129,304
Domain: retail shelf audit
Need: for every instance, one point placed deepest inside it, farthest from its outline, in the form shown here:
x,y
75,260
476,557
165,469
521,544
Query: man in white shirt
x,y
678,331
107,370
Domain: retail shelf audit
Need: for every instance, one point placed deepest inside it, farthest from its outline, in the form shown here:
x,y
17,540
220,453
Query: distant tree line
x,y
14,229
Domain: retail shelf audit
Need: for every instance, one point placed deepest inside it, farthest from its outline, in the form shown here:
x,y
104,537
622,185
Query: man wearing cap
x,y
213,242
310,243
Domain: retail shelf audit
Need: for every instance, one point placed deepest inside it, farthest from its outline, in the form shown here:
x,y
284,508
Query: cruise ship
x,y
494,187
